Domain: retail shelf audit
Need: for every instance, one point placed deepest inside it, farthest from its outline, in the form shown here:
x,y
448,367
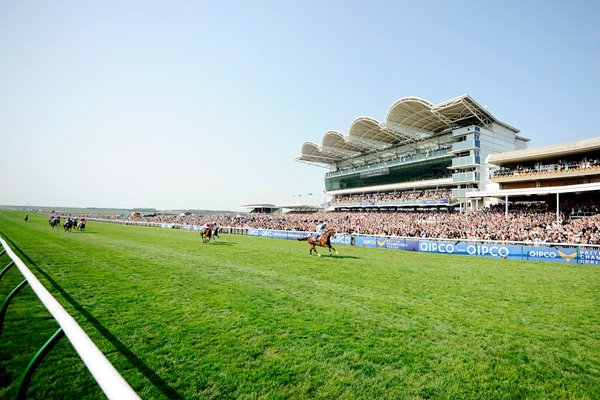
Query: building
x,y
423,155
568,171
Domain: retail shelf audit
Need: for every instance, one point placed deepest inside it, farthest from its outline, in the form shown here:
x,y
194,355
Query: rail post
x,y
10,264
35,361
7,301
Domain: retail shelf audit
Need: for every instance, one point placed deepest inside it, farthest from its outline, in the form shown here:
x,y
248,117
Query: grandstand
x,y
568,172
278,209
423,156
262,208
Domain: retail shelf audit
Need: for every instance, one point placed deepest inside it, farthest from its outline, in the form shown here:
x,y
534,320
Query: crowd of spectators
x,y
559,166
533,223
402,157
409,195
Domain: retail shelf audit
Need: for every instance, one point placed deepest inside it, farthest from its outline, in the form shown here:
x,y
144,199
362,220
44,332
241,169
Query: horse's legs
x,y
331,248
313,248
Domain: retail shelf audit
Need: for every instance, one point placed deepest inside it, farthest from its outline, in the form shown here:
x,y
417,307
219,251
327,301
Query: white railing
x,y
111,382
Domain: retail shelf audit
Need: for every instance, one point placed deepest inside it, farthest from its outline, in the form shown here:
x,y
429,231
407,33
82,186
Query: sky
x,y
206,104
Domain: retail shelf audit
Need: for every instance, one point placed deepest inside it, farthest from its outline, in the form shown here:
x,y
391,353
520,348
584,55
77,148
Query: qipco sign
x,y
469,249
341,239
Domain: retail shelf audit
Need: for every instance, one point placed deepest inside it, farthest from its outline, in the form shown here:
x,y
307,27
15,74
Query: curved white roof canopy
x,y
314,154
410,119
335,142
546,152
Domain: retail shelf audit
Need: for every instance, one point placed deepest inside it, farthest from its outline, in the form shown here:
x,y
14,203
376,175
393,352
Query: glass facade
x,y
417,171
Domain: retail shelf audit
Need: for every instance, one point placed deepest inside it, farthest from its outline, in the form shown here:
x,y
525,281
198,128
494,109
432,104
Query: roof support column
x,y
557,208
506,207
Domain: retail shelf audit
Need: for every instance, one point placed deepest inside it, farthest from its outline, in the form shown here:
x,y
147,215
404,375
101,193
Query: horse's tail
x,y
302,239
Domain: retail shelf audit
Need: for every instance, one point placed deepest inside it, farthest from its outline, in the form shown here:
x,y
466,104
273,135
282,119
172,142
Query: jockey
x,y
319,230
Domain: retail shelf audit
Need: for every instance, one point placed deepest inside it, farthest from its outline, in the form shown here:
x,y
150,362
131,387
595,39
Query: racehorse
x,y
81,225
324,241
69,225
215,232
206,233
54,221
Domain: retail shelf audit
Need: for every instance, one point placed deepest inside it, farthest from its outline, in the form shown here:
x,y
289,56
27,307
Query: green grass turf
x,y
253,318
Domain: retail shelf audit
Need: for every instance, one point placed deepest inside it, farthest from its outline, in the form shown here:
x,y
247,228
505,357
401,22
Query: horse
x,y
215,232
54,221
324,241
81,225
206,233
69,225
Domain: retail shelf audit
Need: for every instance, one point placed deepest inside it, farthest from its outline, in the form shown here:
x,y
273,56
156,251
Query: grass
x,y
253,318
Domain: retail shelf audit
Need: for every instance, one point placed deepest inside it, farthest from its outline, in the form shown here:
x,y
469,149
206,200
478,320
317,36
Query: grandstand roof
x,y
410,119
546,190
546,152
260,205
300,207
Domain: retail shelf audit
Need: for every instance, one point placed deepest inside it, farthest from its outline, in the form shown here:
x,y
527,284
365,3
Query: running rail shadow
x,y
156,380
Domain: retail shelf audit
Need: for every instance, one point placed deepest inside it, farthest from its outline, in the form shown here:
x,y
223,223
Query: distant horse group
x,y
70,224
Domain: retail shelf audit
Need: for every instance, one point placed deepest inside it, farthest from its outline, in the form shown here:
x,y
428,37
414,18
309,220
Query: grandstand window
x,y
417,171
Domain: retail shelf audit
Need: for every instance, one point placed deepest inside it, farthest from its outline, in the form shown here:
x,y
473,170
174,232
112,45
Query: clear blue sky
x,y
192,104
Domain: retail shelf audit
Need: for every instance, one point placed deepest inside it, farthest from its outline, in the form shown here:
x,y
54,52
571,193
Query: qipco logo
x,y
432,247
341,240
542,254
485,250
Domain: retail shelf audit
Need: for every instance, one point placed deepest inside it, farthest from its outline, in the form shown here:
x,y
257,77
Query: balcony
x,y
546,172
465,145
465,162
403,159
461,193
466,130
391,203
465,177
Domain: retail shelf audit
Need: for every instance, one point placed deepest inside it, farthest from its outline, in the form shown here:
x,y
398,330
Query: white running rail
x,y
111,382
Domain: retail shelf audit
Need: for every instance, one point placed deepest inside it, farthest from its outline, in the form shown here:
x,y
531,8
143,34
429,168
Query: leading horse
x,y
323,241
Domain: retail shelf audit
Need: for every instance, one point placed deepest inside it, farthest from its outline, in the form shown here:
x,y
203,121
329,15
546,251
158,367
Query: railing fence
x,y
108,378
